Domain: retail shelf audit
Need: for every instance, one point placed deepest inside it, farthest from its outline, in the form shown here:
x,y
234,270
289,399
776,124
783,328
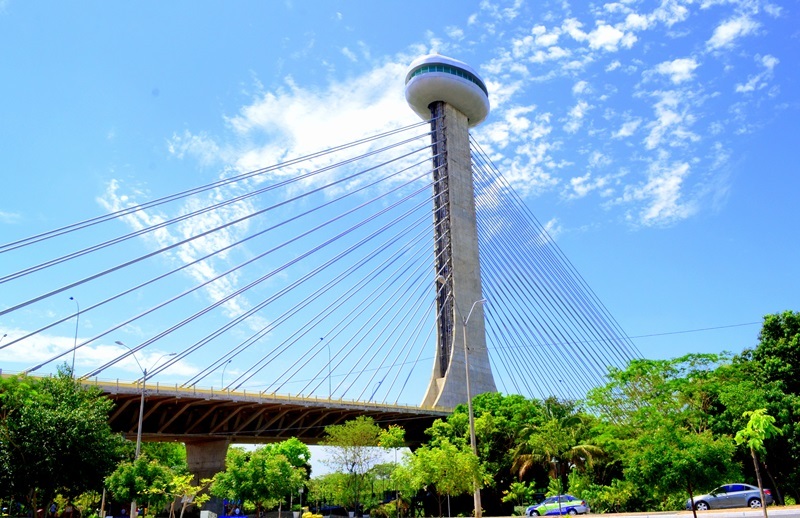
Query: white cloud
x,y
769,62
194,227
572,27
773,10
616,7
727,32
544,38
598,159
551,54
678,70
10,217
575,116
670,13
499,12
349,54
298,121
580,87
636,22
759,81
526,176
454,33
42,347
671,121
661,194
289,122
200,147
552,229
581,186
533,43
609,38
628,128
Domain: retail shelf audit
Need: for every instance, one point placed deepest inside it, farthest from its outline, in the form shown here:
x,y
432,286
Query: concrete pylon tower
x,y
452,94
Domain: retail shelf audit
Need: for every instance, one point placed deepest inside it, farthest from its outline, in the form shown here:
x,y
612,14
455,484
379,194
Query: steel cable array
x,y
311,277
547,332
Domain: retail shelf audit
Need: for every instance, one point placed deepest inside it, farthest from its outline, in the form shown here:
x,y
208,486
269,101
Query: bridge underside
x,y
200,416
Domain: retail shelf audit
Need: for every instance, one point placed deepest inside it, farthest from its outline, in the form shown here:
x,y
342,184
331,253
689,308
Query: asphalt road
x,y
783,512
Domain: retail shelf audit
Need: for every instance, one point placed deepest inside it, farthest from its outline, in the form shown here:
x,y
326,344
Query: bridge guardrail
x,y
209,393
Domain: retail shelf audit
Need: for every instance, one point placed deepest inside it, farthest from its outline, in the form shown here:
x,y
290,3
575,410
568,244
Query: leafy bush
x,y
620,496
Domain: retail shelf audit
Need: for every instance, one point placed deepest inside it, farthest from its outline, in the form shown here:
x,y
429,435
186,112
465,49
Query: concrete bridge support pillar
x,y
458,267
206,459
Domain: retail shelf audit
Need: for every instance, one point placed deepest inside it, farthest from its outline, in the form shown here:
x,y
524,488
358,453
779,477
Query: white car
x,y
561,504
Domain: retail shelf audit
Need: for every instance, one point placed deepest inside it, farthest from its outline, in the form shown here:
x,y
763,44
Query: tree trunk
x,y
760,485
691,498
778,495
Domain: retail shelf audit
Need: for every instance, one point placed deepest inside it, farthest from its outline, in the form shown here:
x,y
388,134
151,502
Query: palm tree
x,y
556,442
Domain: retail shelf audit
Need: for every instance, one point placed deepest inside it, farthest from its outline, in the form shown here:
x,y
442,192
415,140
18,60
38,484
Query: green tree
x,y
393,438
448,468
657,410
145,480
761,426
772,366
294,450
233,483
330,489
171,454
518,493
778,351
262,477
557,444
499,421
354,449
667,458
183,488
54,438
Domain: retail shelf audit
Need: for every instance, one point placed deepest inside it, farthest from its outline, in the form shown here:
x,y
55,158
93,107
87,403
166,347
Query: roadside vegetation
x,y
658,432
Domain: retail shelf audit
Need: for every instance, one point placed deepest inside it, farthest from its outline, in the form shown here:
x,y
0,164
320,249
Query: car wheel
x,y
573,512
701,506
754,503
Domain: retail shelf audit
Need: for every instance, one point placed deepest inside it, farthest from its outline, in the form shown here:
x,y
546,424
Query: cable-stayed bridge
x,y
343,282
310,277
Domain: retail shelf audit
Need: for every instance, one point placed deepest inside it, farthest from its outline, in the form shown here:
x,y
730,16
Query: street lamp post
x,y
330,392
222,379
556,464
472,440
141,410
75,342
375,391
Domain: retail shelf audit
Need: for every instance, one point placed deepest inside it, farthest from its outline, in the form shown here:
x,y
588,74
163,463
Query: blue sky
x,y
657,141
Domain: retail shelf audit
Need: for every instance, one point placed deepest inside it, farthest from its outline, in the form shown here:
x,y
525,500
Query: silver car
x,y
730,495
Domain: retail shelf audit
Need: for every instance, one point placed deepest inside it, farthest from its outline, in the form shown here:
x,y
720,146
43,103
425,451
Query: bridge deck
x,y
172,413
